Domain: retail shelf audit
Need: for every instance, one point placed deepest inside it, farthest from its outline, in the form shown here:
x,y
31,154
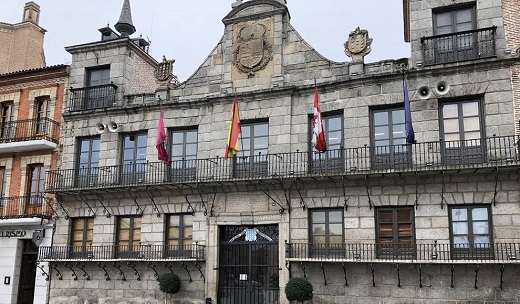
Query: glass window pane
x,y
124,235
335,229
335,217
177,137
471,124
479,214
380,118
397,116
318,239
261,130
191,136
480,228
381,133
318,229
336,239
124,223
450,111
470,109
452,137
188,233
460,228
261,143
246,131
318,217
451,125
481,239
85,145
188,220
334,123
459,214
95,144
335,138
461,239
173,233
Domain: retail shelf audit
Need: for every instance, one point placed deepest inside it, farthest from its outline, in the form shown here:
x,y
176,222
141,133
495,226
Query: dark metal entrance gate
x,y
248,265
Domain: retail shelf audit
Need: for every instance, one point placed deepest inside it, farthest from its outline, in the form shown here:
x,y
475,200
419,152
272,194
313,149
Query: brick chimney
x,y
31,13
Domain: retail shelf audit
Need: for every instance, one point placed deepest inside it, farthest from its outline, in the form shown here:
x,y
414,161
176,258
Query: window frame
x,y
461,144
130,251
331,160
395,251
133,172
471,252
102,81
7,120
90,172
81,251
3,189
327,249
250,164
182,249
183,167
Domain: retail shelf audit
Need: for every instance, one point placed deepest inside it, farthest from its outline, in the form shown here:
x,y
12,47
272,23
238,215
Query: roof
x,y
35,70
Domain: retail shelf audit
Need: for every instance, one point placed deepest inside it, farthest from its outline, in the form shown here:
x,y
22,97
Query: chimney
x,y
31,13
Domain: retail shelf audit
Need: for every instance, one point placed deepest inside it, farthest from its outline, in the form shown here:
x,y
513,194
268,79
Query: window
x,y
184,154
389,139
7,131
252,159
179,235
134,158
128,237
461,132
35,189
99,93
81,237
470,231
332,159
395,232
43,114
3,184
88,162
457,46
327,233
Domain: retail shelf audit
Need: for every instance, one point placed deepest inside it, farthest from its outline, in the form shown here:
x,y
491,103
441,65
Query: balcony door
x,y
97,95
7,123
35,189
331,160
395,232
390,150
88,162
461,136
252,160
457,43
82,237
184,155
134,159
43,114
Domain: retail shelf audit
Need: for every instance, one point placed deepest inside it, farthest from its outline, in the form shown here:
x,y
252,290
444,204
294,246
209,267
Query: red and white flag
x,y
162,154
318,134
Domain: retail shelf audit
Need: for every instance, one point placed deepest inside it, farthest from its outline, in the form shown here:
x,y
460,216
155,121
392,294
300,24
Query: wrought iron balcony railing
x,y
24,207
29,129
90,98
411,253
193,252
460,46
488,152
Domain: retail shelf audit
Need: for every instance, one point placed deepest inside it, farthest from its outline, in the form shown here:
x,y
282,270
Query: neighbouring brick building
x,y
373,219
31,104
22,43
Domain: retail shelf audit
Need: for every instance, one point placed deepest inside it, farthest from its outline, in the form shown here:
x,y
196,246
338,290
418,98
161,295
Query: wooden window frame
x,y
85,250
128,250
397,249
182,249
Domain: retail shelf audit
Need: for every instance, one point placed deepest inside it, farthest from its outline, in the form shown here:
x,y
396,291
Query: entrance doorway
x,y
27,273
248,265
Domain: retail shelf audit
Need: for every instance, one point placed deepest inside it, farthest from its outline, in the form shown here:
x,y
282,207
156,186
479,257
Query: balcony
x,y
91,98
28,135
460,46
404,253
430,156
29,206
185,253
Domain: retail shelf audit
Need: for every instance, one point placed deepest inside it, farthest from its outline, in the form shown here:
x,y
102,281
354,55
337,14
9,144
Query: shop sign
x,y
12,233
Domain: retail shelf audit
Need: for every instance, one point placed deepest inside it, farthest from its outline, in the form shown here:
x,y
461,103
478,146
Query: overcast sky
x,y
188,30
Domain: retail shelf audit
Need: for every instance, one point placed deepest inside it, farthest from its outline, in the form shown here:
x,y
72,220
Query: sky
x,y
188,30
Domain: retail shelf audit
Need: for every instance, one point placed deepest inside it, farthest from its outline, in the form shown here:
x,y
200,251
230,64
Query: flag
x,y
410,135
234,130
162,155
318,134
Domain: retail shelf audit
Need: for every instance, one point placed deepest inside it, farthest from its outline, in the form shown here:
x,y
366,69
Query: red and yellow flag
x,y
234,130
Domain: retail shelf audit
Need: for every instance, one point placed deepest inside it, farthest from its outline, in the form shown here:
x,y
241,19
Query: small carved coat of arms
x,y
252,52
164,72
358,44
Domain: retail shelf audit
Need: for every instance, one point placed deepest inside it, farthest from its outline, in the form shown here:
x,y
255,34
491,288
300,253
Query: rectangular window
x,y
43,114
35,189
88,162
470,231
7,123
3,184
128,237
458,41
99,93
184,154
390,150
179,235
395,232
332,160
462,132
252,160
81,237
134,158
326,231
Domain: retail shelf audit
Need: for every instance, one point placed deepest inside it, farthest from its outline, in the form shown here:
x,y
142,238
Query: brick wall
x,y
22,47
511,11
143,77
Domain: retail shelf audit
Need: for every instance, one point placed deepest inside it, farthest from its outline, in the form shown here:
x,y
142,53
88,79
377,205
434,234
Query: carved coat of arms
x,y
252,52
358,44
164,72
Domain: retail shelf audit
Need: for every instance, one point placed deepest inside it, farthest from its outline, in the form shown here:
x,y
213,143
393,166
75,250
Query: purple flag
x,y
410,135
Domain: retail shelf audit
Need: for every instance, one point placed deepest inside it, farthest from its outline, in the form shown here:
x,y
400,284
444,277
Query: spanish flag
x,y
234,130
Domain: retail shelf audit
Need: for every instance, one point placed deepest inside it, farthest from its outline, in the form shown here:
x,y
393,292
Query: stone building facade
x,y
375,218
22,43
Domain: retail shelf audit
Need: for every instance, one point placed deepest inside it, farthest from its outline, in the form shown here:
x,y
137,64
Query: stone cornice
x,y
279,8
